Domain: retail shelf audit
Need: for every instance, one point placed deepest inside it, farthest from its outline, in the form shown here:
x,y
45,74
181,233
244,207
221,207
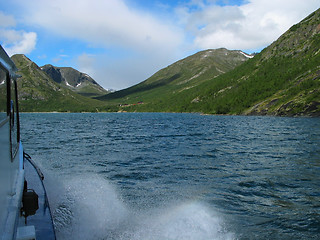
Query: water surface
x,y
178,176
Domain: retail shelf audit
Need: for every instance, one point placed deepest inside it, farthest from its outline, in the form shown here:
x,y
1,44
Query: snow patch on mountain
x,y
246,55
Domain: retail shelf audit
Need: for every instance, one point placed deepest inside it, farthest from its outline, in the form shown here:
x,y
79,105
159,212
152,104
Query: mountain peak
x,y
38,92
184,74
77,81
23,60
283,79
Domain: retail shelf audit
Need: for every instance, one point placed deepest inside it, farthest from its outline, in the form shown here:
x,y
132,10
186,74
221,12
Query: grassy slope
x,y
39,93
185,74
282,80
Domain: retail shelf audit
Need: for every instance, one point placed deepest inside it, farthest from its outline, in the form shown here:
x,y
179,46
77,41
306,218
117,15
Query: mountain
x,y
180,76
73,79
38,92
296,59
283,80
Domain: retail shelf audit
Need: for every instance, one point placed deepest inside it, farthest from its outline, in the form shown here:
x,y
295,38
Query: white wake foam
x,y
184,222
91,208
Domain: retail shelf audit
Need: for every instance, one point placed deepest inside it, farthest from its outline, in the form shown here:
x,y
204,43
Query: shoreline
x,y
199,113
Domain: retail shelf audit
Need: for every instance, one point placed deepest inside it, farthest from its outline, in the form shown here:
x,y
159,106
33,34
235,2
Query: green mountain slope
x,y
284,79
74,80
180,76
38,92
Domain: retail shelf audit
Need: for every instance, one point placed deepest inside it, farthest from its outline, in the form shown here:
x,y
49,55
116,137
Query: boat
x,y
24,208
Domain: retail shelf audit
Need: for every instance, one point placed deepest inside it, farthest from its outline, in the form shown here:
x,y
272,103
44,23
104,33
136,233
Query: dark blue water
x,y
178,176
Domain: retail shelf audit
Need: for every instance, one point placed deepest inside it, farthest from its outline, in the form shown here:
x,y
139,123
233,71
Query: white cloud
x,y
18,41
105,23
253,25
15,41
146,41
150,41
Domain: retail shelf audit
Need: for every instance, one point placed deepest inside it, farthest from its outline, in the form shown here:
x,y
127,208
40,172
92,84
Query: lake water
x,y
159,176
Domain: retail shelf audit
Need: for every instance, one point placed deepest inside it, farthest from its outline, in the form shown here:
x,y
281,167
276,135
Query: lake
x,y
157,176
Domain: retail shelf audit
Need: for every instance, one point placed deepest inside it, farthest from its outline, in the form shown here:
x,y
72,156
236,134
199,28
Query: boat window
x,y
3,95
13,119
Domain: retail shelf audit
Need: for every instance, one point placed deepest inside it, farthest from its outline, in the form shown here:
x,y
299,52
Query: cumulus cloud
x,y
252,25
15,41
18,41
104,23
146,41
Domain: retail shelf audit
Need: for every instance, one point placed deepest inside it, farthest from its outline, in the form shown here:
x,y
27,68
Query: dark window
x,y
14,118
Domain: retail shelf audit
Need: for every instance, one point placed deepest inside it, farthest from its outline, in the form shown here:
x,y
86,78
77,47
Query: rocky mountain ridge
x,y
282,80
77,81
184,74
37,92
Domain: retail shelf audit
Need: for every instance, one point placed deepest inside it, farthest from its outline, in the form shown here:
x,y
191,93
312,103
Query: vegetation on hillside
x,y
178,77
284,79
39,93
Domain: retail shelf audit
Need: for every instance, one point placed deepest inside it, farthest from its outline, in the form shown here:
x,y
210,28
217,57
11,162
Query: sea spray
x,y
89,207
206,161
184,221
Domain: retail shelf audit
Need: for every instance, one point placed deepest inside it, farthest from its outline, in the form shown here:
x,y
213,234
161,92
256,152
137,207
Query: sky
x,y
120,43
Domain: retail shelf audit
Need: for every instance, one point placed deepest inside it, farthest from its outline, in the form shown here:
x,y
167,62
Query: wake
x,y
90,208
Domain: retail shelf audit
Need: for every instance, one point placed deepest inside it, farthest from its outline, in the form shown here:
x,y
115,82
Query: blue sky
x,y
122,42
